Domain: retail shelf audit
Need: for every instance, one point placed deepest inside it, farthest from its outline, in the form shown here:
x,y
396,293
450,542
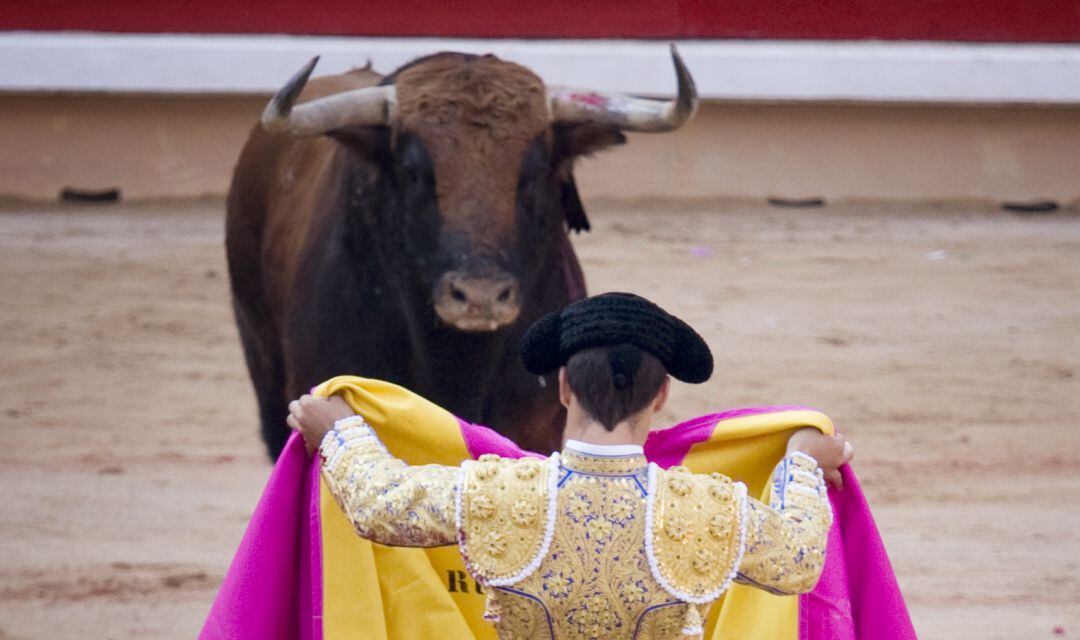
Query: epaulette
x,y
506,516
695,532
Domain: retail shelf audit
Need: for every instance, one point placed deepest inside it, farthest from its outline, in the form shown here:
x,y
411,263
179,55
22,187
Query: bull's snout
x,y
476,303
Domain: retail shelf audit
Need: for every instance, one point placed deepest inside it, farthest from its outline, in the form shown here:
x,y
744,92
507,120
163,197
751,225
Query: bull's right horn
x,y
627,112
365,106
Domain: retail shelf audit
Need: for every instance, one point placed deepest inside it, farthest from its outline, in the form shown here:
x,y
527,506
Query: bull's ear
x,y
369,141
573,140
574,211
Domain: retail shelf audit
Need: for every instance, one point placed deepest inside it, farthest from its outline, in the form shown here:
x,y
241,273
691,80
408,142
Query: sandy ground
x,y
943,340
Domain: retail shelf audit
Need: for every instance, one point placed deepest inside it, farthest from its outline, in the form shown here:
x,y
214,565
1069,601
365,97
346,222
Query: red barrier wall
x,y
962,20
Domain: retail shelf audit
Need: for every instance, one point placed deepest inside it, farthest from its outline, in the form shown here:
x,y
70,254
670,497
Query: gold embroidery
x,y
501,502
665,622
785,550
677,483
603,465
676,527
495,544
595,581
386,500
524,512
521,618
486,470
526,470
703,560
694,540
482,507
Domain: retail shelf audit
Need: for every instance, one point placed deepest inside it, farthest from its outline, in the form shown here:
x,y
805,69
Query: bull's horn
x,y
365,106
627,112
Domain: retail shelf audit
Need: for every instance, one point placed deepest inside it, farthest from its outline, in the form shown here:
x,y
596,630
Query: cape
x,y
302,573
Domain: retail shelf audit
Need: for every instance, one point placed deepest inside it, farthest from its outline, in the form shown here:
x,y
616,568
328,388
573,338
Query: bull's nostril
x,y
457,294
505,295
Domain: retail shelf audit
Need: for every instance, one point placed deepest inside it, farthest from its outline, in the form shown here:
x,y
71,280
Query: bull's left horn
x,y
365,106
627,112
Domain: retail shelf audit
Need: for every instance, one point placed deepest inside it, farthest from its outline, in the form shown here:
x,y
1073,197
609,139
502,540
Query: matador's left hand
x,y
313,417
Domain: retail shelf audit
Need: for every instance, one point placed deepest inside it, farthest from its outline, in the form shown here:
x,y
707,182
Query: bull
x,y
410,227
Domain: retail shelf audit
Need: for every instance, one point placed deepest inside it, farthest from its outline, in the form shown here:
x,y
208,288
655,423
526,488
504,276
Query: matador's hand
x,y
313,417
831,452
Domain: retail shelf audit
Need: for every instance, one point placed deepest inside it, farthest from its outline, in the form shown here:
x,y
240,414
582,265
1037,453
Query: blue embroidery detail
x,y
645,613
547,614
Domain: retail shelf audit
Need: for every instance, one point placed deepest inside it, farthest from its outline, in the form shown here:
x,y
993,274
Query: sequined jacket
x,y
588,546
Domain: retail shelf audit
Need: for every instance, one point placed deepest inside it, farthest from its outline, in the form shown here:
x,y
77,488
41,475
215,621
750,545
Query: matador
x,y
593,541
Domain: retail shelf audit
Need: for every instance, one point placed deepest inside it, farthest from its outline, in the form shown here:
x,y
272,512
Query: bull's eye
x,y
532,180
415,162
417,175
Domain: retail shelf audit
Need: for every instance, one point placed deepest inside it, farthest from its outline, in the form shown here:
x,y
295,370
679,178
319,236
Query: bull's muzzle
x,y
477,303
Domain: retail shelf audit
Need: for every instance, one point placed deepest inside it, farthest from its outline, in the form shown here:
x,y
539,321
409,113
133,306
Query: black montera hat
x,y
613,319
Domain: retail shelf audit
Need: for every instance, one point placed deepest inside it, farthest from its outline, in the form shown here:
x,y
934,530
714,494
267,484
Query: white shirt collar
x,y
604,449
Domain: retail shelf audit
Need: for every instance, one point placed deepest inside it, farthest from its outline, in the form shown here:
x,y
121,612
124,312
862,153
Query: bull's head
x,y
478,154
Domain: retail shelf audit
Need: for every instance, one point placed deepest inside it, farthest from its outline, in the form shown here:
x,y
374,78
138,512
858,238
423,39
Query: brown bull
x,y
410,227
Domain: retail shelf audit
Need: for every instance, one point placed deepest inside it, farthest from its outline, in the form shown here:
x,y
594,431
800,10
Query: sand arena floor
x,y
943,340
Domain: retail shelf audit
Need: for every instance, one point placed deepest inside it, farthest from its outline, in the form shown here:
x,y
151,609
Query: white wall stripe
x,y
724,70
